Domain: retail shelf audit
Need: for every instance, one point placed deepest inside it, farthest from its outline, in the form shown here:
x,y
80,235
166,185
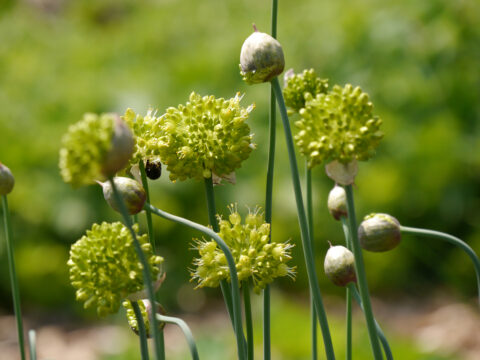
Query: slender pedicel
x,y
231,265
142,333
307,249
148,213
248,318
361,277
159,355
32,341
186,331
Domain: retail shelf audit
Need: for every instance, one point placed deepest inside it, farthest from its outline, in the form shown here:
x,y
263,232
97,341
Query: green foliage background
x,y
418,60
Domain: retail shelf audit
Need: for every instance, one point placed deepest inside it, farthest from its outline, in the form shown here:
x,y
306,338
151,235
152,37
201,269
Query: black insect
x,y
153,169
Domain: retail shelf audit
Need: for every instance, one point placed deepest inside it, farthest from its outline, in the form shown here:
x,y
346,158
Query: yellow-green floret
x,y
298,86
339,125
105,269
254,256
205,136
84,148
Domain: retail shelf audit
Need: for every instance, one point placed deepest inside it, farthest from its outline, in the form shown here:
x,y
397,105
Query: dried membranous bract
x,y
254,256
105,269
95,148
205,136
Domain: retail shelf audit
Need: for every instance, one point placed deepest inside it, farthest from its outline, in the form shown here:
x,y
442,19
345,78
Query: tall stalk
x,y
148,213
32,341
361,277
302,219
235,288
348,296
142,333
248,318
308,178
272,126
159,346
13,276
186,332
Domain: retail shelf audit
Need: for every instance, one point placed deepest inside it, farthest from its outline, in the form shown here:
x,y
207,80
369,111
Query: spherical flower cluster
x,y
204,137
94,148
339,125
146,130
254,256
298,85
145,309
105,269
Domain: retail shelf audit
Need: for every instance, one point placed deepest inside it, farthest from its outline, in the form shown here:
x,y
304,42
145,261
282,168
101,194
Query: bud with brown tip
x,y
337,202
7,181
340,265
379,232
131,191
261,58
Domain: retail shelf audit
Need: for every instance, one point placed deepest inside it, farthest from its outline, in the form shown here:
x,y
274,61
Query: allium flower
x,y
339,125
145,309
298,85
146,130
204,137
105,269
94,148
254,256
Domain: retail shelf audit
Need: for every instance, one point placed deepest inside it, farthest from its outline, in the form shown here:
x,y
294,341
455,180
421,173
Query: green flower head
x,y
254,256
145,309
297,86
339,125
146,130
94,148
204,137
105,269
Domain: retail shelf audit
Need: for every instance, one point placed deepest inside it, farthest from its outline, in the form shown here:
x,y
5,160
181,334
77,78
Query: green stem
x,y
346,232
142,332
237,312
248,318
159,349
348,351
361,276
378,329
452,240
272,126
308,177
148,213
186,331
32,339
302,219
13,276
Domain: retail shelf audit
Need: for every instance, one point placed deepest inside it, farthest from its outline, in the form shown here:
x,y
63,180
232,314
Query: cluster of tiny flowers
x,y
254,256
204,137
298,85
84,147
105,269
339,125
146,130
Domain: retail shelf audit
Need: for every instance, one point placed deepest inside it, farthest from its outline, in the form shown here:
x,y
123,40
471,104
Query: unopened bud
x,y
7,181
130,190
261,58
337,202
340,265
343,174
379,232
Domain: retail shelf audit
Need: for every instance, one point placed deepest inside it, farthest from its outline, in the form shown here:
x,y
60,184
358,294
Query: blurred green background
x,y
418,60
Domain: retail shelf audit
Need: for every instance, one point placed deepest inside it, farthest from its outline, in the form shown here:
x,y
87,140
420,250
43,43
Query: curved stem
x,y
142,332
361,277
231,265
148,213
308,177
381,335
32,339
302,219
452,240
248,318
13,276
159,353
186,331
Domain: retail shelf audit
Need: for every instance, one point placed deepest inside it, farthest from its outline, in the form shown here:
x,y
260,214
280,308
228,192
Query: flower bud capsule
x,y
343,174
379,232
340,265
121,149
130,190
261,58
337,202
7,181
